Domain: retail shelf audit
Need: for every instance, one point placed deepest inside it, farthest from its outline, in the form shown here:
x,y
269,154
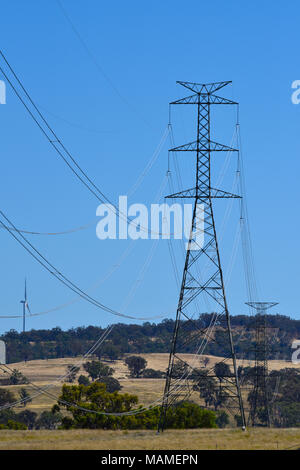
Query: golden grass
x,y
198,439
45,372
51,369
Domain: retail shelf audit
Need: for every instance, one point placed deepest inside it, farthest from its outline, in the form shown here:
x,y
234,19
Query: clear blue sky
x,y
109,104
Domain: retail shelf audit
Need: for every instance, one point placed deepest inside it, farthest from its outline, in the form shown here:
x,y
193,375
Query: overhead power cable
x,y
130,193
45,390
248,257
92,349
62,151
76,299
58,275
104,278
115,267
96,63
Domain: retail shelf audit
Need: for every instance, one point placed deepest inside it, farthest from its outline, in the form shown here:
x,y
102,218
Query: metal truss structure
x,y
260,394
202,274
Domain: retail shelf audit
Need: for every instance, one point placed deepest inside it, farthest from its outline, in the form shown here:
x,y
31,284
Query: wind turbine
x,y
25,306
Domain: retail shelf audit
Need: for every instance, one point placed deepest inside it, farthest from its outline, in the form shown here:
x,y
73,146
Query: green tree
x,y
17,378
49,420
112,384
28,418
288,415
83,380
238,420
24,395
189,415
109,351
136,365
206,386
72,372
222,419
179,369
222,370
15,425
55,409
6,397
97,369
152,374
95,397
212,393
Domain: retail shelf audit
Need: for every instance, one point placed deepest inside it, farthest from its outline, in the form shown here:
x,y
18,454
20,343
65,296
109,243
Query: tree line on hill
x,y
147,338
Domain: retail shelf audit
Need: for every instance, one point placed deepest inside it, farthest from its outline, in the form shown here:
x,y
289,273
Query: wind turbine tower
x,y
25,306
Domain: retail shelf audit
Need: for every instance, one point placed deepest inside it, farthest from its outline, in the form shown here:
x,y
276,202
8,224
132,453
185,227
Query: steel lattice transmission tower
x,y
260,395
196,284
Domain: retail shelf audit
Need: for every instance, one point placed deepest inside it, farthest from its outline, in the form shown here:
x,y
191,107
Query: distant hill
x,y
147,338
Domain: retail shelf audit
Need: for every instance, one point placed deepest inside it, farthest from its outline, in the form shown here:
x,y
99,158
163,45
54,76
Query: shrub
x,y
17,378
28,418
189,415
6,397
48,420
222,419
13,425
24,395
83,380
72,371
152,374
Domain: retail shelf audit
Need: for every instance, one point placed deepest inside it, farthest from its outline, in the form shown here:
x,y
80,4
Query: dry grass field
x,y
45,372
48,372
198,439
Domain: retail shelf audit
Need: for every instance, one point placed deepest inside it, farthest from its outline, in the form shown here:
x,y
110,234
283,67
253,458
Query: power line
x,y
93,348
122,256
59,276
62,151
96,63
131,191
76,299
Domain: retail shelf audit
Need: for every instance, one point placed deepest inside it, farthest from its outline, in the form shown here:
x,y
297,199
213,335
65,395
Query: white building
x,y
2,353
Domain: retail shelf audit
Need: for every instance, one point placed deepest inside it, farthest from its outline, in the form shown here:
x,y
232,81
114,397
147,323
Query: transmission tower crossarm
x,y
214,193
204,88
204,145
204,99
